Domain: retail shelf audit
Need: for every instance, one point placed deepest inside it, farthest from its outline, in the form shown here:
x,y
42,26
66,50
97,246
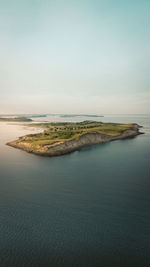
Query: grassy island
x,y
63,137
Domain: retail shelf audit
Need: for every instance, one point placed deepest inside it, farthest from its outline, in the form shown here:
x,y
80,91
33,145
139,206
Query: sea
x,y
86,209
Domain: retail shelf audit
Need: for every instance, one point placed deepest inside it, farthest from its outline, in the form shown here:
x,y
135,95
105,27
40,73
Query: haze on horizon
x,y
75,56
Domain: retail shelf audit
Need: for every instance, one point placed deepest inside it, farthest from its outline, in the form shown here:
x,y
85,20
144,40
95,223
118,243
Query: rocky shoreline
x,y
86,140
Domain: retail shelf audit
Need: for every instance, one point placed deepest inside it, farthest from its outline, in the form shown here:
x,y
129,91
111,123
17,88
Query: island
x,y
79,115
15,119
38,116
66,137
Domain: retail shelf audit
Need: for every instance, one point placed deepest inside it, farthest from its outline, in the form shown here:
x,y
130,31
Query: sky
x,y
75,56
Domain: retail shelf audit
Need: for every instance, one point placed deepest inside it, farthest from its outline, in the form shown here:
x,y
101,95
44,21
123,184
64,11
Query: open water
x,y
88,208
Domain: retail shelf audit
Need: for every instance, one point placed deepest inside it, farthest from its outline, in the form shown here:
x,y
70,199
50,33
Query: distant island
x,y
16,119
65,137
79,115
38,116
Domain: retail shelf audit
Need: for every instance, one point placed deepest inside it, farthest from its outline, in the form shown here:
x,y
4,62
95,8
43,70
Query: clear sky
x,y
75,56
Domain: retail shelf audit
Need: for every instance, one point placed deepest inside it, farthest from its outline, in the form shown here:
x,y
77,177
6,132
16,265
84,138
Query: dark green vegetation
x,y
16,119
61,132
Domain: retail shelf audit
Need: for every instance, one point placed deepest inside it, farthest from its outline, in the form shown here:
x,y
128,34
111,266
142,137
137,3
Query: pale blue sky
x,y
75,56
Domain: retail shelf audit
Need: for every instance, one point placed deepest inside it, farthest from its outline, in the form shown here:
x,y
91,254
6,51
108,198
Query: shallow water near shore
x,y
88,208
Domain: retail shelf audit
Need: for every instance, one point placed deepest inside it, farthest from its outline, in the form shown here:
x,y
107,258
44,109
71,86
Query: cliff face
x,y
88,139
85,140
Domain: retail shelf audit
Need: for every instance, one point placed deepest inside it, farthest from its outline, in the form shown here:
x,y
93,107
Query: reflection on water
x,y
10,132
89,208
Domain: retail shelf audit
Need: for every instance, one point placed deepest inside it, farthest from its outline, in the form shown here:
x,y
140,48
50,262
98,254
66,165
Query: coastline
x,y
66,147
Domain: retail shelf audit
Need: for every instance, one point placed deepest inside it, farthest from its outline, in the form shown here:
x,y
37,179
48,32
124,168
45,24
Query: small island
x,y
64,137
80,115
15,119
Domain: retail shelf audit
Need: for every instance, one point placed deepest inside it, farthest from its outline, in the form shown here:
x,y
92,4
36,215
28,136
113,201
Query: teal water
x,y
89,208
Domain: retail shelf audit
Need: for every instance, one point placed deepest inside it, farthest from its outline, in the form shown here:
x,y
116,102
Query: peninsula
x,y
63,138
15,119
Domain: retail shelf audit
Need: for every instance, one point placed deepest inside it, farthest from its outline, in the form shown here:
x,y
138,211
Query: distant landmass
x,y
38,116
16,119
64,137
79,115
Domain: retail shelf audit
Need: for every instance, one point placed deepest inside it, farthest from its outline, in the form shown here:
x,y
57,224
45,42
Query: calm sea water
x,y
89,208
